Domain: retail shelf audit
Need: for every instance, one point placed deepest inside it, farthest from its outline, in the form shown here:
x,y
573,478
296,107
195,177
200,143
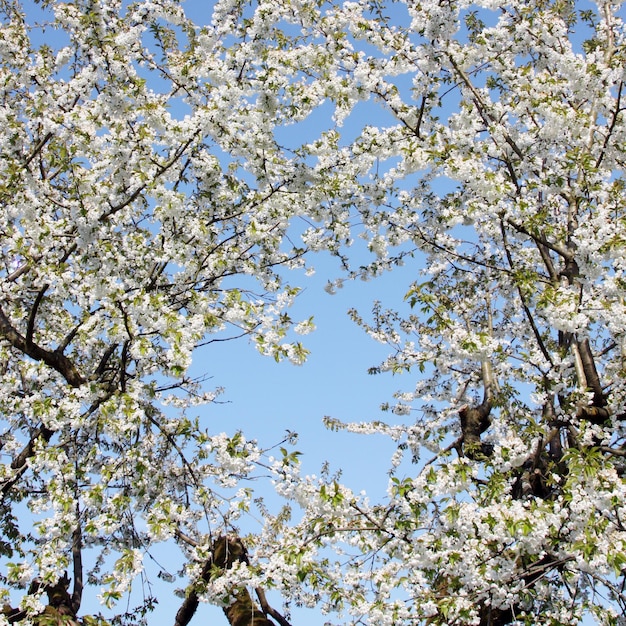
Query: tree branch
x,y
243,611
38,148
30,328
529,316
56,359
77,558
19,463
269,610
591,373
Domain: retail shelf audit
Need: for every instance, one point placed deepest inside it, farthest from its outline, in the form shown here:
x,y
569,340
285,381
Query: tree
x,y
503,170
496,166
146,205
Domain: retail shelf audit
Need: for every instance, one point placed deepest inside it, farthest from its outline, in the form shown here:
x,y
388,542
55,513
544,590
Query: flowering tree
x,y
501,167
148,207
145,209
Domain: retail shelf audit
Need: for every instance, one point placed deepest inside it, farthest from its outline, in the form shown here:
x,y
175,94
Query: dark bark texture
x,y
243,611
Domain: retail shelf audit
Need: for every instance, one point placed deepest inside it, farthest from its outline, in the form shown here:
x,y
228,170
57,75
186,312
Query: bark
x,y
474,422
243,611
61,609
54,359
492,616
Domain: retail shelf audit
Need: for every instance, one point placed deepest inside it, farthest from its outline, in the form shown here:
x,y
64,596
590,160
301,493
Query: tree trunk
x,y
243,611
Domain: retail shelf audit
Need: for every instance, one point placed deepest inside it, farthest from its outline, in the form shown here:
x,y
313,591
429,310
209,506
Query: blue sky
x,y
265,398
